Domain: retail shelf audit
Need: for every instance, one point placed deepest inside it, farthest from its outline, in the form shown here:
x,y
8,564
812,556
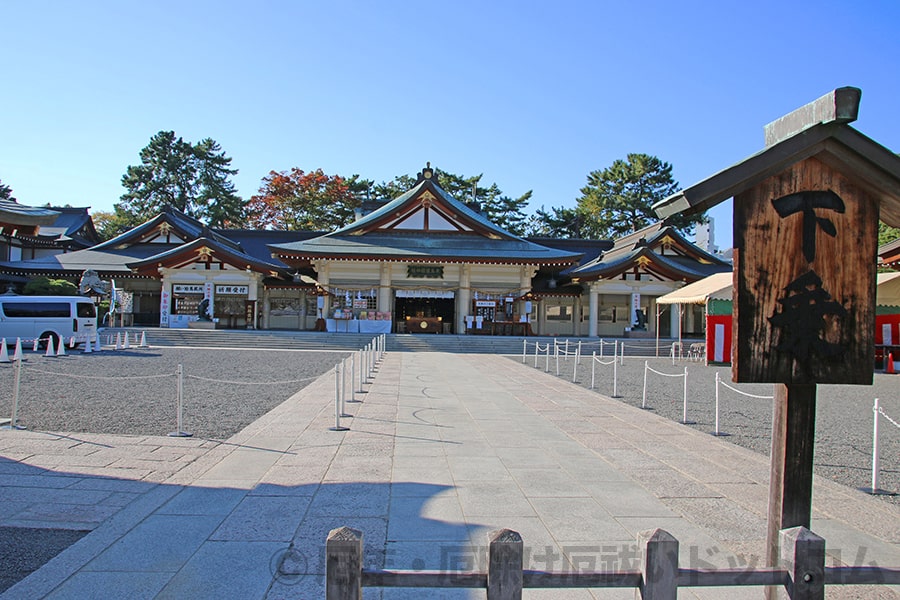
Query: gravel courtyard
x,y
133,392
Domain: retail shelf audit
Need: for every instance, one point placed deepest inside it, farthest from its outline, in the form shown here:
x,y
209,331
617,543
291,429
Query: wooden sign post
x,y
805,253
806,212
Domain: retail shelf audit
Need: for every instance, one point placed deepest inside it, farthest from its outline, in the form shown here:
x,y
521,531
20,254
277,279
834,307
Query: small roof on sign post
x,y
820,129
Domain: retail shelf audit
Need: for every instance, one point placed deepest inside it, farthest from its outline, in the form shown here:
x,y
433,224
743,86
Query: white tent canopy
x,y
719,287
888,291
714,287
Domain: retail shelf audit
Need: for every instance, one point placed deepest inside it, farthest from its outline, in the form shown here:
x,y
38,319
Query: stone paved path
x,y
443,449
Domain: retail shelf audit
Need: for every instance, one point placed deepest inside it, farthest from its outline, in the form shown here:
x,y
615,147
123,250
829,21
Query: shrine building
x,y
424,262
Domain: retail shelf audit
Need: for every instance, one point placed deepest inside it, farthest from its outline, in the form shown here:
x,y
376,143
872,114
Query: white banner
x,y
232,290
180,288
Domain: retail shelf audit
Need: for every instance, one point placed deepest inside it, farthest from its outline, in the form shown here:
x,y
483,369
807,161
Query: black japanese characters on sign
x,y
806,203
806,304
802,319
425,271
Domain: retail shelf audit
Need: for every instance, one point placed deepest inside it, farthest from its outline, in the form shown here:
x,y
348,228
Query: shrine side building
x,y
423,262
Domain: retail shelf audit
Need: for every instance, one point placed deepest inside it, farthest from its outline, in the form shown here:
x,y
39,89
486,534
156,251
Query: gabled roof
x,y
644,259
426,207
106,261
13,213
73,225
203,250
860,159
425,224
170,222
659,249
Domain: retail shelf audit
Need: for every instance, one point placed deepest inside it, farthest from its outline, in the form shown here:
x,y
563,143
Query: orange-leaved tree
x,y
311,201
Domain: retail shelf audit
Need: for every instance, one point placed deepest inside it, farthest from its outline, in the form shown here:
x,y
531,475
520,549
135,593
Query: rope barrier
x,y
374,352
615,363
876,462
723,384
684,419
885,415
719,382
286,382
651,369
117,378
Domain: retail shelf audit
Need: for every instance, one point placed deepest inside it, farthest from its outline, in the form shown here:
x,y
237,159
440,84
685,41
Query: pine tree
x,y
193,179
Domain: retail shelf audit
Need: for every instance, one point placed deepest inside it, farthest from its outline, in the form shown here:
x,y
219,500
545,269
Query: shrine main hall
x,y
423,262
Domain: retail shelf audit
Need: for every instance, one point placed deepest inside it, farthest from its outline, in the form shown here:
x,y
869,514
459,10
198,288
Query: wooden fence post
x,y
343,564
504,579
803,555
660,565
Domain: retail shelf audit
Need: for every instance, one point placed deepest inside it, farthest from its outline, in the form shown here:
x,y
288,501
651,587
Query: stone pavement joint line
x,y
442,449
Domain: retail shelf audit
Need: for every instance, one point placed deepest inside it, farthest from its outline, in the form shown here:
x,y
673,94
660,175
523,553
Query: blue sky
x,y
534,95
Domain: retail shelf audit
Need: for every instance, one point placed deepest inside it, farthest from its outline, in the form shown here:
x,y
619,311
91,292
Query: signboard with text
x,y
804,310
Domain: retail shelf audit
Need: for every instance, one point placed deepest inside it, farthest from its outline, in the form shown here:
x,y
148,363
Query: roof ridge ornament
x,y
426,173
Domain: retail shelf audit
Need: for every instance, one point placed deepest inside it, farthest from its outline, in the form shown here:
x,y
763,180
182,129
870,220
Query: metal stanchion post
x,y
684,419
352,379
615,376
575,362
337,400
593,365
179,398
875,453
717,432
14,420
644,397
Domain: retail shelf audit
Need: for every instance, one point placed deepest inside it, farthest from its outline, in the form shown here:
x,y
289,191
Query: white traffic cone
x,y
36,344
98,344
50,352
118,341
87,346
143,343
71,342
4,353
126,344
60,348
17,355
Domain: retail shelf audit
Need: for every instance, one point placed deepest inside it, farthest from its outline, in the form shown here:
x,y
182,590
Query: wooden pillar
x,y
790,479
343,564
659,569
803,555
505,561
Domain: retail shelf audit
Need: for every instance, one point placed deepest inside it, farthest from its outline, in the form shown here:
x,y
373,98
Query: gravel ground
x,y
134,392
844,415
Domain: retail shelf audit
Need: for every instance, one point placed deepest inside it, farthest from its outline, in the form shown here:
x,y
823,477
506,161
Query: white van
x,y
47,318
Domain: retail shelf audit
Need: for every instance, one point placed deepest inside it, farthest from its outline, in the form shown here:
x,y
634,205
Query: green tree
x,y
44,286
109,224
6,192
217,200
617,200
887,234
192,179
558,222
